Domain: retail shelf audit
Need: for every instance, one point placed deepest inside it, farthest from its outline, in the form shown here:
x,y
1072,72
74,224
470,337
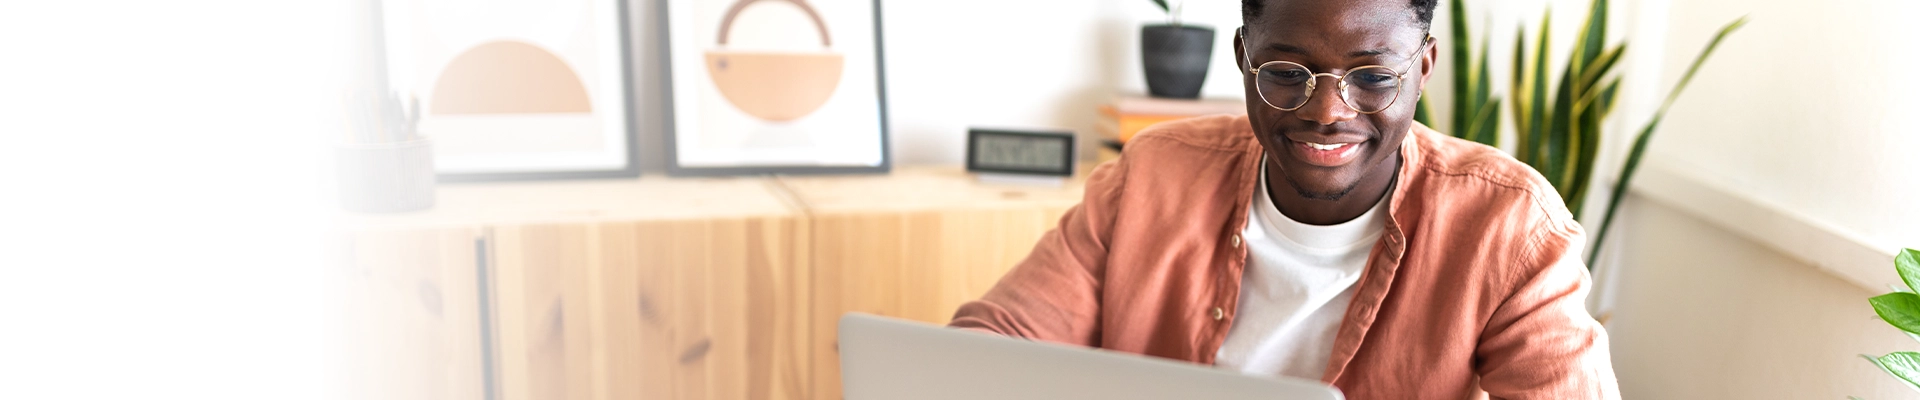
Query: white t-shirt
x,y
1295,289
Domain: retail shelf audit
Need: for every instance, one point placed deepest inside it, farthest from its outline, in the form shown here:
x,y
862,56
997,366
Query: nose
x,y
1324,105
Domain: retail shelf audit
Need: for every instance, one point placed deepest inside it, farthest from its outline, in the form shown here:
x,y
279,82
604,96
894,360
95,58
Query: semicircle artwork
x,y
508,77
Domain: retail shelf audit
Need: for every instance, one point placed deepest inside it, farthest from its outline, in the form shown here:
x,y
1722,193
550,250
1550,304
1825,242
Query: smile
x,y
1317,146
1326,154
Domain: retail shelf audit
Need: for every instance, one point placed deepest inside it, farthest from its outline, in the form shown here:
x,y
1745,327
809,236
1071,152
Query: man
x,y
1324,235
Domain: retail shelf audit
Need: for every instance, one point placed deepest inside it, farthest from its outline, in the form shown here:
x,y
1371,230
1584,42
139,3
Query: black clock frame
x,y
1066,137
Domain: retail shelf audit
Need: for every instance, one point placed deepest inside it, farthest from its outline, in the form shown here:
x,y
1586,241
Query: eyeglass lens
x,y
1289,86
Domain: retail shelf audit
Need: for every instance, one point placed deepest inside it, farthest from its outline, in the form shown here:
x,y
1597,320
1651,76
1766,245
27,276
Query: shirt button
x,y
1219,314
1236,241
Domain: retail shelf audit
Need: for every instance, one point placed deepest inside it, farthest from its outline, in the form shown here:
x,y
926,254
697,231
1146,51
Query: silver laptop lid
x,y
882,358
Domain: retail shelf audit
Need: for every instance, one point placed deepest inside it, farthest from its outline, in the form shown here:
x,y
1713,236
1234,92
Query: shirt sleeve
x,y
1541,343
1053,294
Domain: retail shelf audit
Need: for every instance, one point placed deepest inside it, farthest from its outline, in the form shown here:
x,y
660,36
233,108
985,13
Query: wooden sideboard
x,y
661,288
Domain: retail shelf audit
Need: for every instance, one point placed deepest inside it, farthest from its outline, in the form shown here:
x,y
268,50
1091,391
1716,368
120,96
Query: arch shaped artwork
x,y
775,86
508,77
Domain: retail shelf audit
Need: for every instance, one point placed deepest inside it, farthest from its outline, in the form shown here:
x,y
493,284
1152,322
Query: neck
x,y
1372,187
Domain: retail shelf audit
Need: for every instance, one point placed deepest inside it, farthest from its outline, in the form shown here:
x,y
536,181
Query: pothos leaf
x,y
1902,310
1903,365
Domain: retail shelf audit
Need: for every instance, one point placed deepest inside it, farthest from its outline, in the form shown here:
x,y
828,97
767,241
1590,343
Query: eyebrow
x,y
1286,48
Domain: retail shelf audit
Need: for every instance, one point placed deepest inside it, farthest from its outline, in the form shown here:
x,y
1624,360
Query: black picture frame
x,y
1065,137
677,169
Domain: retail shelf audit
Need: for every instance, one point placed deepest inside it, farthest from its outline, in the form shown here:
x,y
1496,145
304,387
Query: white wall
x,y
990,63
1805,112
1811,107
1014,63
1702,314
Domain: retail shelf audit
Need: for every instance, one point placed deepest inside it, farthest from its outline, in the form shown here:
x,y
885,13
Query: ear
x,y
1240,50
1429,61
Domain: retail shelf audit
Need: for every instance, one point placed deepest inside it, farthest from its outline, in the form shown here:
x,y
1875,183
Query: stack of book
x,y
1126,116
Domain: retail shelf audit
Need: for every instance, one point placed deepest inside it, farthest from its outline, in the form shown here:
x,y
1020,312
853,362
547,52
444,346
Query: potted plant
x,y
1902,310
1175,55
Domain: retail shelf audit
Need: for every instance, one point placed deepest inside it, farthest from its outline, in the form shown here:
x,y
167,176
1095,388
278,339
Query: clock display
x,y
1045,153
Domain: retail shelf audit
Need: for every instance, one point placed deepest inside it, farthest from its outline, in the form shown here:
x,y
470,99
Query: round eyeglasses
x,y
1288,86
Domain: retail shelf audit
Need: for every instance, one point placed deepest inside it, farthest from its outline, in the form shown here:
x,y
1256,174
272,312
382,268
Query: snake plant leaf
x,y
1908,263
1904,365
1596,113
1485,125
1639,148
1463,104
1593,35
1590,114
1520,93
1598,69
1423,113
1559,136
1605,100
1534,117
1902,310
1482,76
1163,5
1472,85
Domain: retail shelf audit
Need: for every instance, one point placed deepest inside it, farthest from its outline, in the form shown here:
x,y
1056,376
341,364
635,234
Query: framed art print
x,y
517,89
775,86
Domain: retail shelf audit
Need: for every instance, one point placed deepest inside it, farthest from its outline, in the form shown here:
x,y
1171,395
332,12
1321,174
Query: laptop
x,y
884,358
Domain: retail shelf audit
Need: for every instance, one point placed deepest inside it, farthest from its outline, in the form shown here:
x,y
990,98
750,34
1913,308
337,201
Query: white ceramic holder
x,y
385,177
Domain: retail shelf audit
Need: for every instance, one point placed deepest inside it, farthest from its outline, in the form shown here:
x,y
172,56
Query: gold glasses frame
x,y
1313,78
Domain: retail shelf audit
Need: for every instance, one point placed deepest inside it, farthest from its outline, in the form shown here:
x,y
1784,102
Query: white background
x,y
160,213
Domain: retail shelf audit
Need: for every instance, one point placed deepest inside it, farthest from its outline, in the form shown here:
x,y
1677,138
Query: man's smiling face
x,y
1324,149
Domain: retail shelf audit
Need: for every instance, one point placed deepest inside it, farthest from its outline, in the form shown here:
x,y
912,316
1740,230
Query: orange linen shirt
x,y
1461,297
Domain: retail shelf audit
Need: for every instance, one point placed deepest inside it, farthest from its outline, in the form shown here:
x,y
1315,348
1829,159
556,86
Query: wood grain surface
x,y
405,315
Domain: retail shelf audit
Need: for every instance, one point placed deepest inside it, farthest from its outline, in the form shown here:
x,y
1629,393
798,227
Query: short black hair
x,y
1422,9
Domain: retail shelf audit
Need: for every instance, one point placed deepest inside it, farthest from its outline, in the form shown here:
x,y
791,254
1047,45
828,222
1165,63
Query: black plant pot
x,y
1176,59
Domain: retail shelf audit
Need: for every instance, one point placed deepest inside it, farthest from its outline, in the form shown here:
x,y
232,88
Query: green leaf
x,y
1463,105
1593,35
1902,310
1597,69
1424,112
1646,134
1520,97
1163,5
1560,136
1482,124
1482,76
1536,118
1485,127
1603,101
1908,263
1904,365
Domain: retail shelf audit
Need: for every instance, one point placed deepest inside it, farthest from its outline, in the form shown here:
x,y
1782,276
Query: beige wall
x,y
1700,313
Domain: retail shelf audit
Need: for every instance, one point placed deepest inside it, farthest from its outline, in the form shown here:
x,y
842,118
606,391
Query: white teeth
x,y
1317,146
